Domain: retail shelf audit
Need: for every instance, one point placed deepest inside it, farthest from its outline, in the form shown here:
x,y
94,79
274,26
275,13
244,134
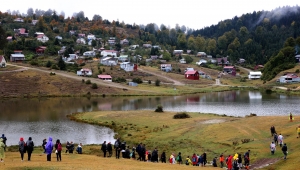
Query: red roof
x,y
101,76
22,30
191,72
291,76
228,67
1,58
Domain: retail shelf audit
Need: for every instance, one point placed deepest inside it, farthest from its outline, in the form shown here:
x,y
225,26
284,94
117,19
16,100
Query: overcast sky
x,y
194,14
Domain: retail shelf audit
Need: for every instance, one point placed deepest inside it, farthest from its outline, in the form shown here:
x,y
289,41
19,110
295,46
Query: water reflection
x,y
40,118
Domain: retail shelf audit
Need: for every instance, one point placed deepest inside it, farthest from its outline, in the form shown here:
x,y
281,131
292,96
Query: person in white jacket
x,y
280,140
272,148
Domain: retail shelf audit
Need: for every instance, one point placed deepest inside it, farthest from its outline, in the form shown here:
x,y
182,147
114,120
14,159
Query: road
x,y
176,83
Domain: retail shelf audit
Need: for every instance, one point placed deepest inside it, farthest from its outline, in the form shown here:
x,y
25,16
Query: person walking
x,y
179,158
4,140
221,160
194,159
30,146
22,148
72,147
58,149
280,140
272,148
104,148
275,138
272,129
229,162
117,146
204,159
291,117
215,162
79,149
44,144
163,157
49,148
68,147
240,161
284,150
109,149
2,153
154,157
247,158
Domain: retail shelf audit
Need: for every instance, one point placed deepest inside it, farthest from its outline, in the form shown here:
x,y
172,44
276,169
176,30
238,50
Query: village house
x,y
297,57
154,57
202,74
18,20
156,46
241,61
89,54
289,78
21,32
124,42
71,57
2,61
166,67
201,54
178,52
62,50
84,72
72,32
127,66
105,77
42,38
123,58
91,37
80,41
223,61
213,61
109,61
147,46
133,47
34,22
9,38
81,35
201,62
254,75
192,75
112,53
58,37
17,57
40,50
230,70
182,61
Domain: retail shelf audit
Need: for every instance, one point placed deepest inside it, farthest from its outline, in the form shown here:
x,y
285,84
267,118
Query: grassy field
x,y
213,134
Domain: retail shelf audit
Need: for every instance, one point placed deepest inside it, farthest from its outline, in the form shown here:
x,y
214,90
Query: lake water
x,y
41,118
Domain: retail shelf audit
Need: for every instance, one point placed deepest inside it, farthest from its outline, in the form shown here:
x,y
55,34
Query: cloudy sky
x,y
194,14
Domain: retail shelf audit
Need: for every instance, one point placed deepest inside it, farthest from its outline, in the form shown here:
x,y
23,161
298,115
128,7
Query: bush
x,y
52,74
149,81
88,82
157,82
137,80
94,86
54,66
182,115
82,80
159,109
297,71
48,64
119,80
34,63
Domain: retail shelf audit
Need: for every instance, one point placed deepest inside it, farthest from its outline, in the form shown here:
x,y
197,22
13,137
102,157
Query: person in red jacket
x,y
229,162
194,159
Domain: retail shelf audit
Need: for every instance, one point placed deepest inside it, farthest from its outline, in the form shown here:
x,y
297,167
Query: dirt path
x,y
177,83
72,76
264,163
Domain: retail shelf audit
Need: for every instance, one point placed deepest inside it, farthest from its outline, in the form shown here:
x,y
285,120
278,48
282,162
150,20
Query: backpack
x,y
177,158
116,145
59,148
194,159
187,162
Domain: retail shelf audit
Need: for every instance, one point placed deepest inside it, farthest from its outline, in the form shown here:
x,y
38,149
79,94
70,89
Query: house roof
x,y
9,38
18,51
166,65
112,51
102,76
1,58
191,72
86,69
220,59
17,55
291,76
228,67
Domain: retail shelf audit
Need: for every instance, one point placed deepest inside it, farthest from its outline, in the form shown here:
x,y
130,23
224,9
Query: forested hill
x,y
254,36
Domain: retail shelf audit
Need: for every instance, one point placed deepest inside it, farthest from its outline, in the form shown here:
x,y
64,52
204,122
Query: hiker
x,y
204,158
127,153
272,148
247,157
79,149
49,148
149,156
275,138
117,148
103,148
123,147
143,152
284,150
194,159
235,164
291,117
179,158
132,154
71,147
298,131
240,161
154,157
4,141
29,145
188,161
58,149
22,148
2,153
172,159
109,149
44,144
229,162
280,140
272,130
221,160
215,162
68,147
163,157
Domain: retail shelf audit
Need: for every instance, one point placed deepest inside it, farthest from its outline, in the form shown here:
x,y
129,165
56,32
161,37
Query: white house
x,y
289,78
124,42
17,57
91,37
58,37
166,67
254,75
33,22
89,53
84,72
2,61
18,20
109,61
80,41
112,53
182,61
201,62
43,38
123,58
177,52
133,47
105,77
201,54
71,57
127,66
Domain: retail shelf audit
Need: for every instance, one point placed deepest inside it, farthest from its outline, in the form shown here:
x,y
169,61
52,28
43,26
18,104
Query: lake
x,y
41,118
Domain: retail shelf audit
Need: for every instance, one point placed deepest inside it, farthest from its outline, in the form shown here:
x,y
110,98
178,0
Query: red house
x,y
192,75
40,49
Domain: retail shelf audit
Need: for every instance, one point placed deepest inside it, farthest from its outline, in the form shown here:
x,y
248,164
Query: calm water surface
x,y
41,118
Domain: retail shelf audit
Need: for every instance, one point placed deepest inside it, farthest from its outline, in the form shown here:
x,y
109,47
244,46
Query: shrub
x,y
297,71
34,63
182,115
82,80
243,79
137,80
103,70
157,82
88,82
48,64
54,66
159,109
94,86
119,80
52,74
149,81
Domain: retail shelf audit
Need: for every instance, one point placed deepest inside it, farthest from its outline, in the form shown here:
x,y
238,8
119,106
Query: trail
x,y
176,83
